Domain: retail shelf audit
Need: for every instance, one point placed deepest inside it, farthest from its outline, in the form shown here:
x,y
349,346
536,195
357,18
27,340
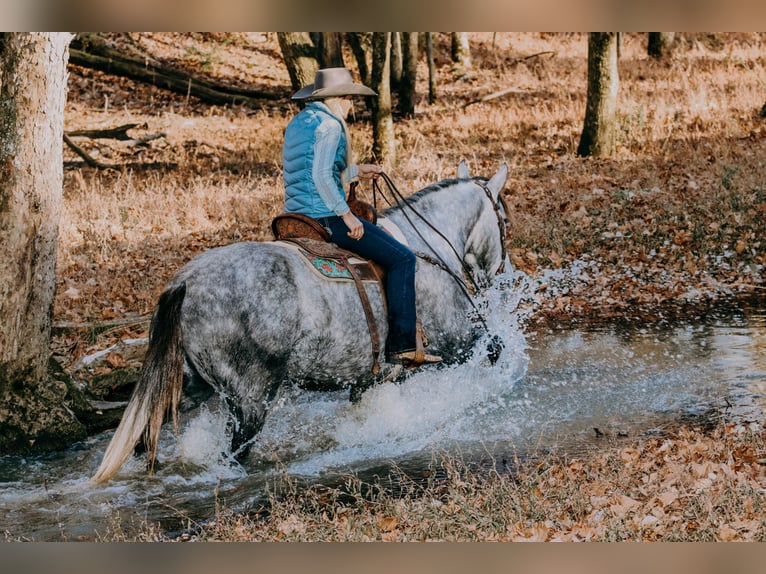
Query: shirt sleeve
x,y
325,147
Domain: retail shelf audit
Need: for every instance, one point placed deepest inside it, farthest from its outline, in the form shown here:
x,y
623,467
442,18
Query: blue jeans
x,y
399,263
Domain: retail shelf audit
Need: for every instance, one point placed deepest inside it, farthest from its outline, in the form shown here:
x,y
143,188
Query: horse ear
x,y
497,182
462,170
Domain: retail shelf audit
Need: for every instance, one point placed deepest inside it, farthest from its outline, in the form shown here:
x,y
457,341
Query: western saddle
x,y
314,239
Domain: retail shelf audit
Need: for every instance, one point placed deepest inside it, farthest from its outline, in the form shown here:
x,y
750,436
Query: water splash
x,y
431,409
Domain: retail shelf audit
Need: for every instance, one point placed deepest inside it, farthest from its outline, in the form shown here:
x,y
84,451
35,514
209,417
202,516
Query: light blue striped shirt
x,y
328,136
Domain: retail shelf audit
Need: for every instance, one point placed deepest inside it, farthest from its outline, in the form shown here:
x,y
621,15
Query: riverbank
x,y
691,485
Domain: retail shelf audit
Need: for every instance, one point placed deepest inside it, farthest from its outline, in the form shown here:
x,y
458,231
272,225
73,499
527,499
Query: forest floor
x,y
674,221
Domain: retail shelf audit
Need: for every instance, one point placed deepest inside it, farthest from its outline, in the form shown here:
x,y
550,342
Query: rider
x,y
318,161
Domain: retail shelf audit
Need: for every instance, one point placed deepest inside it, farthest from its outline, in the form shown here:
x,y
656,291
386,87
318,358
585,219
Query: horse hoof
x,y
494,349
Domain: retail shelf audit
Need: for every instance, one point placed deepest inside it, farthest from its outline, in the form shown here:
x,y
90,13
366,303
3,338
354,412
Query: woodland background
x,y
670,223
674,217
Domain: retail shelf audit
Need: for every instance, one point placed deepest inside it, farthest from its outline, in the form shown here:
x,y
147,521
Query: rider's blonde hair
x,y
335,106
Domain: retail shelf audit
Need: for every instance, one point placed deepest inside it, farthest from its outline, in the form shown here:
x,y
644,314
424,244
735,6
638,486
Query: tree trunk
x,y
660,44
33,408
299,54
331,50
383,146
431,68
397,60
600,127
461,51
407,91
361,46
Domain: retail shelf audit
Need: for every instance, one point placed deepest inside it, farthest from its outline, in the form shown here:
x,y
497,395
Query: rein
x,y
437,260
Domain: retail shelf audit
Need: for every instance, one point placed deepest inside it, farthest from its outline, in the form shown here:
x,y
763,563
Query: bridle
x,y
501,222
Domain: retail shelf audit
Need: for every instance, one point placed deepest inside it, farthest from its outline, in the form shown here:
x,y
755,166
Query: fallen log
x,y
118,133
91,161
98,56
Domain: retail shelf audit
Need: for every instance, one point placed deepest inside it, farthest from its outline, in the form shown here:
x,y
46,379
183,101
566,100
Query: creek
x,y
568,389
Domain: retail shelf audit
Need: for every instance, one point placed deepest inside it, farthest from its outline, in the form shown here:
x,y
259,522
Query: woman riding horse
x,y
318,161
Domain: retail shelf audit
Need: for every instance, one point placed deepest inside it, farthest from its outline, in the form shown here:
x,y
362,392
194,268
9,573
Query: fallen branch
x,y
118,133
101,325
495,95
85,156
538,54
145,139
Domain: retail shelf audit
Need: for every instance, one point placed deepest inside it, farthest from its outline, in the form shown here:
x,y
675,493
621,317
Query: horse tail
x,y
158,388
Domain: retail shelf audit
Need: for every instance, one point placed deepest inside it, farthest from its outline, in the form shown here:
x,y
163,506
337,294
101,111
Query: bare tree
x,y
461,51
660,45
330,49
431,68
407,91
299,54
383,146
599,132
397,60
361,46
33,407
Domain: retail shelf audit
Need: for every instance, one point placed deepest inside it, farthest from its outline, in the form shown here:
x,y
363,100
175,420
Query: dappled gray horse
x,y
242,320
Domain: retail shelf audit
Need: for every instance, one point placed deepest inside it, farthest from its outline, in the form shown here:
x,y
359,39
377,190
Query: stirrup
x,y
421,338
413,358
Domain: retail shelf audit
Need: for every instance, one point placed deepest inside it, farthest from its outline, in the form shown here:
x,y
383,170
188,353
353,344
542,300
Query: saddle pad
x,y
327,267
324,264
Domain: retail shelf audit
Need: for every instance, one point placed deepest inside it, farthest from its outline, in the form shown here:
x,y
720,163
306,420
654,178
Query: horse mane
x,y
429,190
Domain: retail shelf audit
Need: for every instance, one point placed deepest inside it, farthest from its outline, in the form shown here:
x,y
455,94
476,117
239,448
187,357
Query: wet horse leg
x,y
248,416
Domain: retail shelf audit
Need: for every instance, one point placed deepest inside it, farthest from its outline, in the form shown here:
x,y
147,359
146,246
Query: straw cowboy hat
x,y
332,82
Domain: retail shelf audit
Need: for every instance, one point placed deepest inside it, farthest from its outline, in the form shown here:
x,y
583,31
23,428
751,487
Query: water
x,y
550,389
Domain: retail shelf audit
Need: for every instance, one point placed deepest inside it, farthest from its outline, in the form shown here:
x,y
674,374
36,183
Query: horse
x,y
244,319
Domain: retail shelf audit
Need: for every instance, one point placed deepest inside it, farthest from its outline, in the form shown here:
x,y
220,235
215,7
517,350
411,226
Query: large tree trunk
x,y
299,54
33,408
599,132
461,51
383,146
331,50
407,89
660,44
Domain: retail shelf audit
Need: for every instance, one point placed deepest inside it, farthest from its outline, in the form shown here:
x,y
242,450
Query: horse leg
x,y
248,414
357,390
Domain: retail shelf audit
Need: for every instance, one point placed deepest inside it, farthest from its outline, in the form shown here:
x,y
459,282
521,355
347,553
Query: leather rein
x,y
437,260
400,201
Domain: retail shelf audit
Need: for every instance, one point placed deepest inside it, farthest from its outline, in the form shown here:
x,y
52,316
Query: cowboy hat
x,y
332,82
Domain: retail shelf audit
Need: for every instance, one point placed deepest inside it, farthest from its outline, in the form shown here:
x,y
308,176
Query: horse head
x,y
485,245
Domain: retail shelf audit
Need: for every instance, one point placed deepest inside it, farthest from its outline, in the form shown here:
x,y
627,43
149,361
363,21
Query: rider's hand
x,y
369,170
355,227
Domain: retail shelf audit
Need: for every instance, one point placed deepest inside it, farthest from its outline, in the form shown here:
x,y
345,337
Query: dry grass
x,y
691,486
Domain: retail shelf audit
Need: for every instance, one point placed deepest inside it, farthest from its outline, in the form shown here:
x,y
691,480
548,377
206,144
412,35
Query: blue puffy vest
x,y
301,195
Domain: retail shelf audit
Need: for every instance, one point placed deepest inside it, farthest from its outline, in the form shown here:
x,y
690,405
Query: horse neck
x,y
453,207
